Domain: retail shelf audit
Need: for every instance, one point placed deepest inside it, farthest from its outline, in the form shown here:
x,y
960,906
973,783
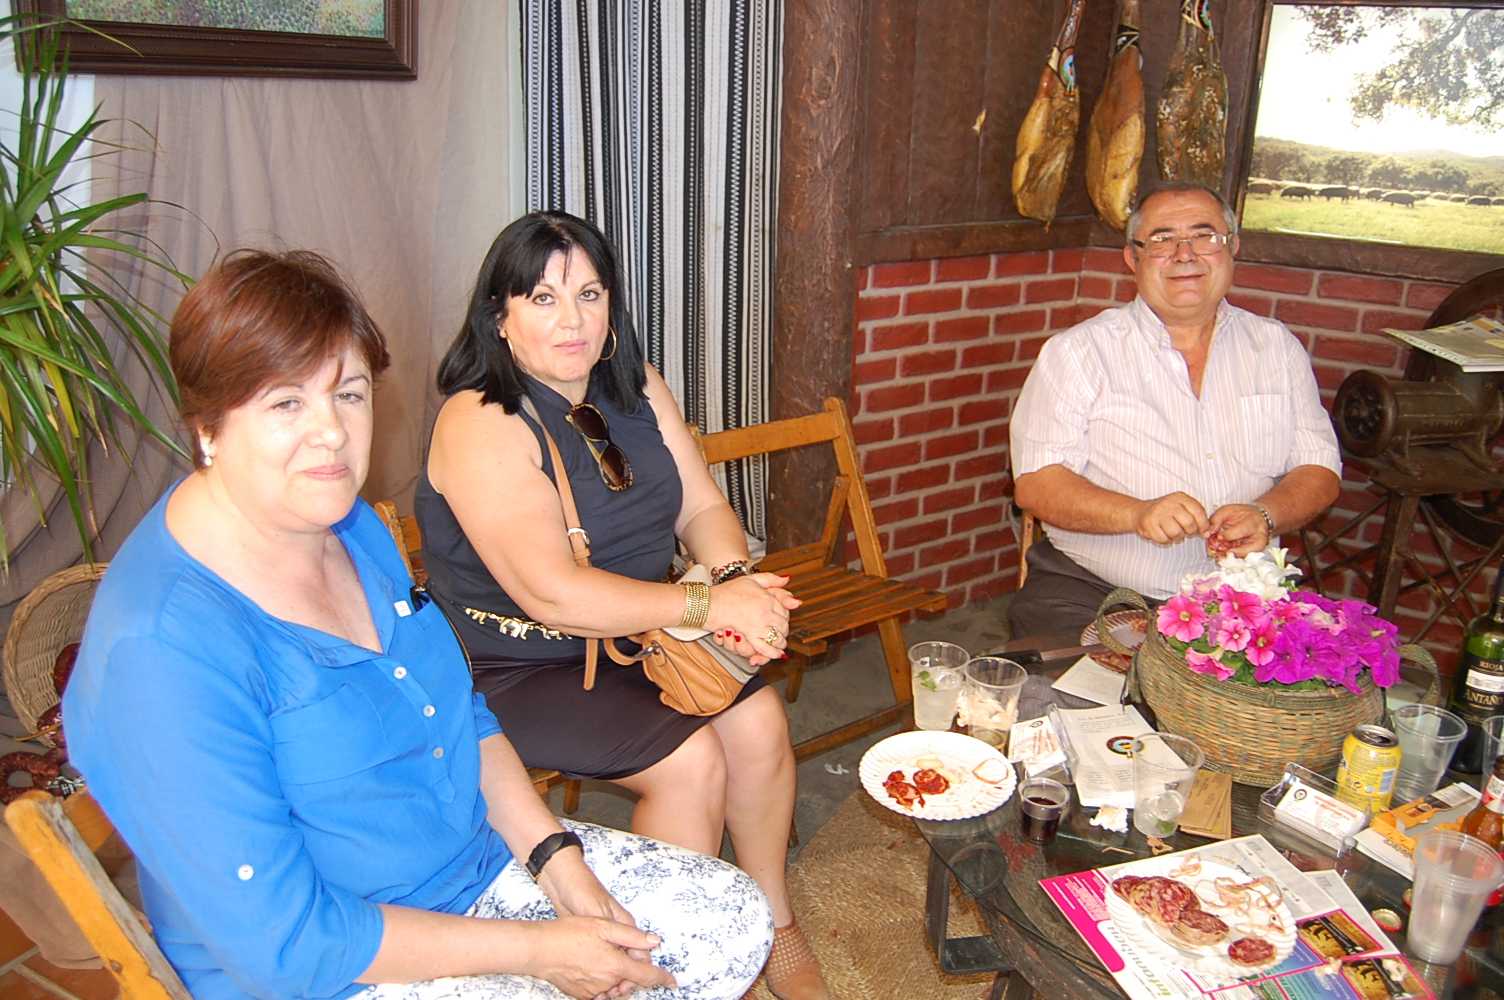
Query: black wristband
x,y
547,848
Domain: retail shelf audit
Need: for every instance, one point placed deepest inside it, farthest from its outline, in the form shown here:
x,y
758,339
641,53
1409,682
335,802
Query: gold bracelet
x,y
696,605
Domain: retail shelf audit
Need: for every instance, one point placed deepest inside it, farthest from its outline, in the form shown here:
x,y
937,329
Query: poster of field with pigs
x,y
1382,123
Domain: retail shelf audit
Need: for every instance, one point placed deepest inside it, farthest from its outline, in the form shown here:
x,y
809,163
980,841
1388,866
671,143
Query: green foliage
x,y
366,18
60,317
1448,64
1346,168
1287,160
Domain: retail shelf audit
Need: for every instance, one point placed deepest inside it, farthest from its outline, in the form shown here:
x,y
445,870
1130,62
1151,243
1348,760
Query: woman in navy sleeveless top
x,y
549,339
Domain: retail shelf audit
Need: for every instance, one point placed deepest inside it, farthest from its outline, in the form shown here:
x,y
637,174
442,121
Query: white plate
x,y
1211,959
967,796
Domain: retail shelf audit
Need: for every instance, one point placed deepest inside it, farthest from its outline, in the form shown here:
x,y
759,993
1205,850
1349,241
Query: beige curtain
x,y
403,185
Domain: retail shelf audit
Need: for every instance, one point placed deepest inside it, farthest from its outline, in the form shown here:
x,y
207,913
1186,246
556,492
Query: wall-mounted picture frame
x,y
1377,138
357,39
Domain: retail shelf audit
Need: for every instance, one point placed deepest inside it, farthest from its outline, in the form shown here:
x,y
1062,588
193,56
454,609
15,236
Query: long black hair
x,y
514,265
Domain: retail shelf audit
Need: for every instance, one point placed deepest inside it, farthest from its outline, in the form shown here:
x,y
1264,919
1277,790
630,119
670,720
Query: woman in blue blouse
x,y
284,732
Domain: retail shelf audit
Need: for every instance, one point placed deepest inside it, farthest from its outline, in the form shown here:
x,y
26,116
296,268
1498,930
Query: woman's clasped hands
x,y
594,949
750,616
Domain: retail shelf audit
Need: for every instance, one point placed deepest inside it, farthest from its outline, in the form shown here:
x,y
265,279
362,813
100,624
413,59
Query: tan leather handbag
x,y
696,676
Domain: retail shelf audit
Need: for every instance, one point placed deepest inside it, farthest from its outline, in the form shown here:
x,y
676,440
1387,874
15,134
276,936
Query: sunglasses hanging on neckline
x,y
616,471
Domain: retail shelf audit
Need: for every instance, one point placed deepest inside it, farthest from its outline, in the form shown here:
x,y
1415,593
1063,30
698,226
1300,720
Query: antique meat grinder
x,y
1426,443
1376,417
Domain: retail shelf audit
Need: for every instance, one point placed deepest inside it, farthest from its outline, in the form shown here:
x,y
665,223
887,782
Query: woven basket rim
x,y
17,687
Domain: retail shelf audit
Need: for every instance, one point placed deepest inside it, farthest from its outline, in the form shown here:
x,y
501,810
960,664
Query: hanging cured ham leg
x,y
1115,137
1047,137
1193,107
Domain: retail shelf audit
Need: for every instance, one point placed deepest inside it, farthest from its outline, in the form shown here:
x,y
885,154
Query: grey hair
x,y
1136,217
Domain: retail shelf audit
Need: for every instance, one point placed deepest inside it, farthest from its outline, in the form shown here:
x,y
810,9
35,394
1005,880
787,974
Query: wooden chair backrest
x,y
56,847
848,494
404,532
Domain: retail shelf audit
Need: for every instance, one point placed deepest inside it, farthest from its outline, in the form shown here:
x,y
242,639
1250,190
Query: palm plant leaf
x,y
67,325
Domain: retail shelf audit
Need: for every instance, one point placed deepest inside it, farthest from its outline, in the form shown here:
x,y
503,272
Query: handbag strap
x,y
579,539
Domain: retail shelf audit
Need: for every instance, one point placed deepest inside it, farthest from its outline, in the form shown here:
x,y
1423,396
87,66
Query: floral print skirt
x,y
713,920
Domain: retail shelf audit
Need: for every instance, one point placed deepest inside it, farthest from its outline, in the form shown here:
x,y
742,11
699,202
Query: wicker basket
x,y
48,618
1250,732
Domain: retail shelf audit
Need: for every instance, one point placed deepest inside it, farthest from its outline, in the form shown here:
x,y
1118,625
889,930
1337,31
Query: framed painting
x,y
368,39
1378,137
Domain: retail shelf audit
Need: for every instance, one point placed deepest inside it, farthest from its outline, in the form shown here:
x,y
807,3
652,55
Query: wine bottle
x,y
1478,684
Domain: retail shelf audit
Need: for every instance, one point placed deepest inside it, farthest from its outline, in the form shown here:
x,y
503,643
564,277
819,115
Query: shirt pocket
x,y
334,737
1265,433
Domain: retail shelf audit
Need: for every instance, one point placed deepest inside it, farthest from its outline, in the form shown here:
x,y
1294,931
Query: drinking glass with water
x,y
936,670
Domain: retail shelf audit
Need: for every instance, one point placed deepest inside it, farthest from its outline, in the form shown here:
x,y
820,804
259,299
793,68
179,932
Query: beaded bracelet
x,y
730,571
1267,518
696,605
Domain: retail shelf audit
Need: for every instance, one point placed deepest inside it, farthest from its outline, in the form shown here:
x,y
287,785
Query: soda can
x,y
1370,761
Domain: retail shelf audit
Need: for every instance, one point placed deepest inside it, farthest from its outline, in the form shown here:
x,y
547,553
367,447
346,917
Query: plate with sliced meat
x,y
1202,915
933,775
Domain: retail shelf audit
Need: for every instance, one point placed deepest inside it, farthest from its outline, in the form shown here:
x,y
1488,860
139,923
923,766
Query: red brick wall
x,y
942,348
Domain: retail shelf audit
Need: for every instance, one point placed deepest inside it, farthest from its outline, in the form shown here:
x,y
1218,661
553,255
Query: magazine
x,y
1391,837
1477,344
1337,951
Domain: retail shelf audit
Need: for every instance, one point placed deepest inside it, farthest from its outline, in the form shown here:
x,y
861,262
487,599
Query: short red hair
x,y
259,319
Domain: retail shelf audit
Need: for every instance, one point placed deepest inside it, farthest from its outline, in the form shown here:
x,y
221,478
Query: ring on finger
x,y
772,636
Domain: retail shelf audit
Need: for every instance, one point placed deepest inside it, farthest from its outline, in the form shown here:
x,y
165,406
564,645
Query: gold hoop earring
x,y
615,343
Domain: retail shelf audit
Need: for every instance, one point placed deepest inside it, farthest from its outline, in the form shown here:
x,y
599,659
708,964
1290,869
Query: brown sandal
x,y
793,969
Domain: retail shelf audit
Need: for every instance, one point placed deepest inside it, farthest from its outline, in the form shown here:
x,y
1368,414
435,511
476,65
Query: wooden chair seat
x,y
834,596
837,598
405,533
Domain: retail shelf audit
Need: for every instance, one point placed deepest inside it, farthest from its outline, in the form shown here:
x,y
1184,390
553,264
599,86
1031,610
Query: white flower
x,y
1260,573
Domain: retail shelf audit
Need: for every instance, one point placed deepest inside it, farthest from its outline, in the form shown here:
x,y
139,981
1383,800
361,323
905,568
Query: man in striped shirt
x,y
1178,426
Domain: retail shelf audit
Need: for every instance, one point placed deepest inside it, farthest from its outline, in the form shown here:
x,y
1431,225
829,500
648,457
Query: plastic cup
x,y
1042,802
1493,746
937,670
1428,738
1454,874
1164,769
993,685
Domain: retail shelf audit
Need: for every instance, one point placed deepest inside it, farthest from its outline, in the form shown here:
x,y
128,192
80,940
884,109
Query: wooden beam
x,y
814,297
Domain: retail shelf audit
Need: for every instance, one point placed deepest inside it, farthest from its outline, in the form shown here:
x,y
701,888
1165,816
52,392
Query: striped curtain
x,y
658,121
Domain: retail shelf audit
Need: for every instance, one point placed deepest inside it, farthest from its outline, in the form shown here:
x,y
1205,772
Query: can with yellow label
x,y
1370,760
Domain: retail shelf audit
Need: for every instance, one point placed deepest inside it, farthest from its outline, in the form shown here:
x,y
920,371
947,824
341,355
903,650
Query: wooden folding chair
x,y
405,533
1029,532
836,599
63,853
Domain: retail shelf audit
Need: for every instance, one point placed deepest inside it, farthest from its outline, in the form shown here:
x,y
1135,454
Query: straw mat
x,y
858,889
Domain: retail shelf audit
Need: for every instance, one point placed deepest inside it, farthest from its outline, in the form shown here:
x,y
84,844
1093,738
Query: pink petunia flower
x,y
1208,663
1233,633
1238,603
1261,639
1182,617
